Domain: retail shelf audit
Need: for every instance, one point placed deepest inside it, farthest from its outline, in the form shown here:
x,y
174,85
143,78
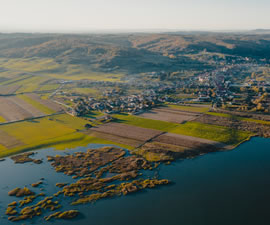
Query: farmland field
x,y
131,132
2,120
36,104
13,109
49,68
114,138
20,107
198,108
168,115
60,130
145,123
188,141
7,90
39,102
9,141
212,132
239,118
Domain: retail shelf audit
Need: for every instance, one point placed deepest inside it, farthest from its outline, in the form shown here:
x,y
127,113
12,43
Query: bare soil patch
x,y
169,115
8,90
127,131
179,111
26,106
190,142
260,129
47,103
115,138
11,111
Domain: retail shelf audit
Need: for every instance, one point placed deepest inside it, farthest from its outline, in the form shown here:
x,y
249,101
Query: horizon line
x,y
151,30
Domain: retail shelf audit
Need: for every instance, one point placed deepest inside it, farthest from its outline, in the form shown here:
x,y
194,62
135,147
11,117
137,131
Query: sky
x,y
100,15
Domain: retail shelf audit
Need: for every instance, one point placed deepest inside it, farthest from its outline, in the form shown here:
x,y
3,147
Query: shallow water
x,y
219,188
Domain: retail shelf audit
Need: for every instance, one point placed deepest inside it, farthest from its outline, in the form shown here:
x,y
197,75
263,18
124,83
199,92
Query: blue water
x,y
224,188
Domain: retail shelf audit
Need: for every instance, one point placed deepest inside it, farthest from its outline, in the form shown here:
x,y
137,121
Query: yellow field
x,y
70,121
2,148
36,130
2,120
190,108
58,131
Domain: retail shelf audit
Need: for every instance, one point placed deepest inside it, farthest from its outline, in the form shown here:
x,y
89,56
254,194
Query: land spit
x,y
98,173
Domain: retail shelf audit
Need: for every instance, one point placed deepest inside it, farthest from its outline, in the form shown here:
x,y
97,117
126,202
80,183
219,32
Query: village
x,y
233,86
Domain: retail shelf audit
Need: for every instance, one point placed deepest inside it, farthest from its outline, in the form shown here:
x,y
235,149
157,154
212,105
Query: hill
x,y
134,53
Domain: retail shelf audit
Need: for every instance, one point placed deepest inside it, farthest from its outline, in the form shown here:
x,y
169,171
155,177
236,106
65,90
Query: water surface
x,y
219,188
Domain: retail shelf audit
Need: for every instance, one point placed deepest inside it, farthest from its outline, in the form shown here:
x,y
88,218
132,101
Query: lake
x,y
222,188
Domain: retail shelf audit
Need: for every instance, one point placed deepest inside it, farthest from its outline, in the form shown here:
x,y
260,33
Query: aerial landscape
x,y
123,125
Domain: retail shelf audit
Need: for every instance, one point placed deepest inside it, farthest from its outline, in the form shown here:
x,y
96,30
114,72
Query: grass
x,y
48,87
86,91
36,130
45,128
219,114
31,84
2,119
239,118
212,132
36,104
2,148
145,123
190,108
94,114
68,141
70,121
59,142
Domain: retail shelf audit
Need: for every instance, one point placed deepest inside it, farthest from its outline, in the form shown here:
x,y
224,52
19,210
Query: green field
x,y
36,104
37,130
145,123
68,141
48,87
58,131
94,114
49,68
190,108
195,129
212,132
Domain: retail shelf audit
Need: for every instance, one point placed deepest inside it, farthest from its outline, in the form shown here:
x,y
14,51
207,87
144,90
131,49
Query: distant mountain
x,y
261,31
133,52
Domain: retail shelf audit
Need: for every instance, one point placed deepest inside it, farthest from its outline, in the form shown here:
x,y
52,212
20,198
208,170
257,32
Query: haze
x,y
91,15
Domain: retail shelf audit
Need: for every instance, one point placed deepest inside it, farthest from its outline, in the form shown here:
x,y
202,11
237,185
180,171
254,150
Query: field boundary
x,y
32,118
